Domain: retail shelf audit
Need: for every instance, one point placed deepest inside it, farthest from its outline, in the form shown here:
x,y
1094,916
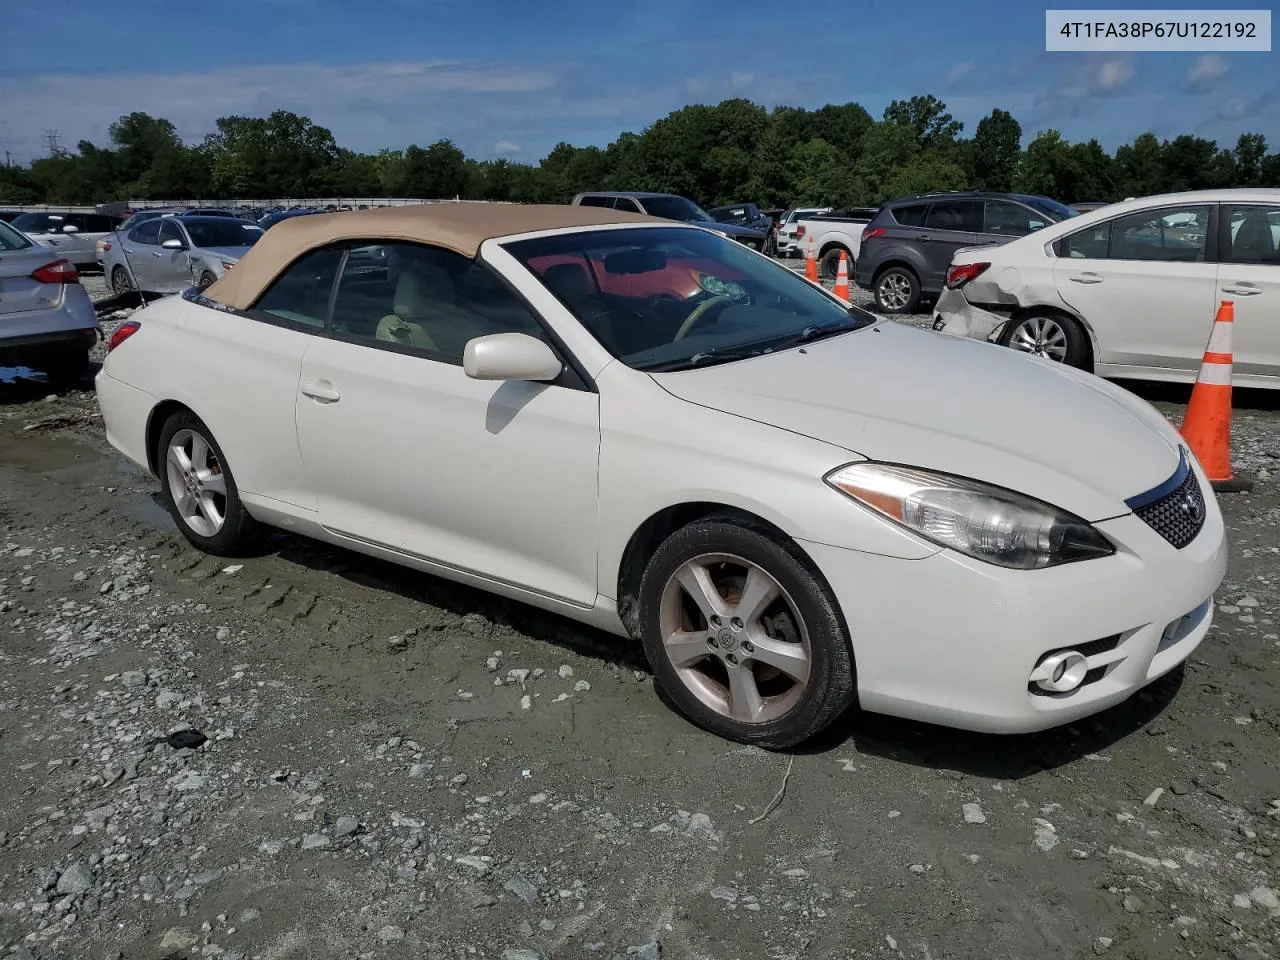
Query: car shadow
x,y
1242,398
22,383
454,598
988,756
997,756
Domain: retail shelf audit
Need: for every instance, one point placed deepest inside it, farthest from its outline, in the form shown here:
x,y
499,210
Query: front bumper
x,y
955,315
953,641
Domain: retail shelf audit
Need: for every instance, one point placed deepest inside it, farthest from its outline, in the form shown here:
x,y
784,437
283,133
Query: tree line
x,y
734,151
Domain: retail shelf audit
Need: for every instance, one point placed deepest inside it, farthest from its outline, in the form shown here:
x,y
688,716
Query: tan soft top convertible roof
x,y
460,227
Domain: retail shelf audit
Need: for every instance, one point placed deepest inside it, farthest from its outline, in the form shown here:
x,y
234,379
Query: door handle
x,y
157,254
1242,289
923,236
1086,278
321,390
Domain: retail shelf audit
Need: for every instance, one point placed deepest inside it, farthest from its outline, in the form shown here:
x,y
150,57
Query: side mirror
x,y
173,244
70,228
510,356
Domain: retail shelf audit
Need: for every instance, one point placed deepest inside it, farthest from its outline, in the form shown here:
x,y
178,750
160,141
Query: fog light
x,y
1061,672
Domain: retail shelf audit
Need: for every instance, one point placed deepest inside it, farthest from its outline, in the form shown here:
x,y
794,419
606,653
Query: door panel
x,y
494,478
172,267
1249,276
139,245
1145,283
948,226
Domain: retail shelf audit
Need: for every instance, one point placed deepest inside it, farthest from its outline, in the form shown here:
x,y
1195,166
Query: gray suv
x,y
907,247
671,207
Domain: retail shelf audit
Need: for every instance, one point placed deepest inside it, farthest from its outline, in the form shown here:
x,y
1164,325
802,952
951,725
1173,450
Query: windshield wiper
x,y
810,334
705,359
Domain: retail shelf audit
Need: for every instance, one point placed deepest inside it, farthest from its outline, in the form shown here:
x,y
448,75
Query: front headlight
x,y
726,288
985,522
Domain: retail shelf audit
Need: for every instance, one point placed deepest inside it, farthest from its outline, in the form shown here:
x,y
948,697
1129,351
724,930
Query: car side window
x,y
1253,234
146,232
626,203
169,231
1091,243
911,215
1011,219
300,296
592,201
423,300
1176,235
962,215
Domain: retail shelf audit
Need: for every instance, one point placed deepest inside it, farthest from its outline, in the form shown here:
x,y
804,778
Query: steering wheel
x,y
697,313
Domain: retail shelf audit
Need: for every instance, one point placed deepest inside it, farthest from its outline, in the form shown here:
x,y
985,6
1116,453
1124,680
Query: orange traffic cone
x,y
811,263
842,278
1207,424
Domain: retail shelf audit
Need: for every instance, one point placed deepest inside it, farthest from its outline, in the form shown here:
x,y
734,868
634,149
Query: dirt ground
x,y
396,767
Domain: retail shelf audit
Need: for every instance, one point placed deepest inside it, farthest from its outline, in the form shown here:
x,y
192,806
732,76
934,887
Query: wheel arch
x,y
650,534
156,420
889,264
1090,335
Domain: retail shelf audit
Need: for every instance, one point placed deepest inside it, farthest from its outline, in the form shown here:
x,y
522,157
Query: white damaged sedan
x,y
646,427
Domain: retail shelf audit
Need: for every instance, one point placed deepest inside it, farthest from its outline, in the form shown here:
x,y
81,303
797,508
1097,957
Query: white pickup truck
x,y
832,232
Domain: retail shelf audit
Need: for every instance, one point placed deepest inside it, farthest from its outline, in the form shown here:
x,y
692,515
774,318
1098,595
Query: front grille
x,y
1179,514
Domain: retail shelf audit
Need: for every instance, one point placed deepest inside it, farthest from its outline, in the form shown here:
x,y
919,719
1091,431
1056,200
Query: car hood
x,y
905,395
732,229
225,253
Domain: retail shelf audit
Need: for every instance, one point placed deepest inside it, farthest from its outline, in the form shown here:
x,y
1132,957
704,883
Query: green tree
x,y
1141,167
994,151
1047,167
1249,154
927,116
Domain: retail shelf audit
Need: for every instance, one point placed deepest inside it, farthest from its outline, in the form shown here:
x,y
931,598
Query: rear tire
x,y
120,282
897,291
774,673
199,489
1054,336
829,263
207,280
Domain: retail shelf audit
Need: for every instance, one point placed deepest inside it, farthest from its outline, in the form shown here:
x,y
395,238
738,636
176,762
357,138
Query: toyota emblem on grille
x,y
1191,506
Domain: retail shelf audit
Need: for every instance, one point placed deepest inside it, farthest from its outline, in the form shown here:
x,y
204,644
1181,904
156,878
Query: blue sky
x,y
514,77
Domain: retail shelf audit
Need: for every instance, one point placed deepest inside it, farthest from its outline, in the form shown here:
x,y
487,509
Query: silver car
x,y
46,317
74,235
170,254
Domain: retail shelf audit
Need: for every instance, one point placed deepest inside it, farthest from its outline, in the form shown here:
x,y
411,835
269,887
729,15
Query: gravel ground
x,y
388,765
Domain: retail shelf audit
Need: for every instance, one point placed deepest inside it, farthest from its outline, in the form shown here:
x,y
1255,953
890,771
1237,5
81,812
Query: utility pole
x,y
51,140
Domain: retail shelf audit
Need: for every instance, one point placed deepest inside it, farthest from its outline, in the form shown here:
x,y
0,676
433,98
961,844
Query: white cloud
x,y
506,146
1205,72
365,105
1112,75
740,80
959,72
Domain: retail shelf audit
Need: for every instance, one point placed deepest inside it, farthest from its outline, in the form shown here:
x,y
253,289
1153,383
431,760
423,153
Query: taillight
x,y
799,232
105,246
962,273
123,333
870,233
60,271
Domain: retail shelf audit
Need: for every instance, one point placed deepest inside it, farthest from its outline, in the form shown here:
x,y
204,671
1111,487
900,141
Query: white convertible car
x,y
795,506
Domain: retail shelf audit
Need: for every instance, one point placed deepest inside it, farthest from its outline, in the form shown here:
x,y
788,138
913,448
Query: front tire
x,y
199,489
744,636
1053,336
897,291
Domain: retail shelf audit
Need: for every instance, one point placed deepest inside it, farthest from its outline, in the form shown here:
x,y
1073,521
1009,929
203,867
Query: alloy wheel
x,y
1042,337
735,638
895,291
196,483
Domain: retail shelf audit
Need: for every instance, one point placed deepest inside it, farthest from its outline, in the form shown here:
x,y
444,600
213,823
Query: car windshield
x,y
222,232
672,298
1059,211
11,239
676,208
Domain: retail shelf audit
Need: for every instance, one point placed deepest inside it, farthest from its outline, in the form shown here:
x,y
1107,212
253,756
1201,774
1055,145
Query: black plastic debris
x,y
188,739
